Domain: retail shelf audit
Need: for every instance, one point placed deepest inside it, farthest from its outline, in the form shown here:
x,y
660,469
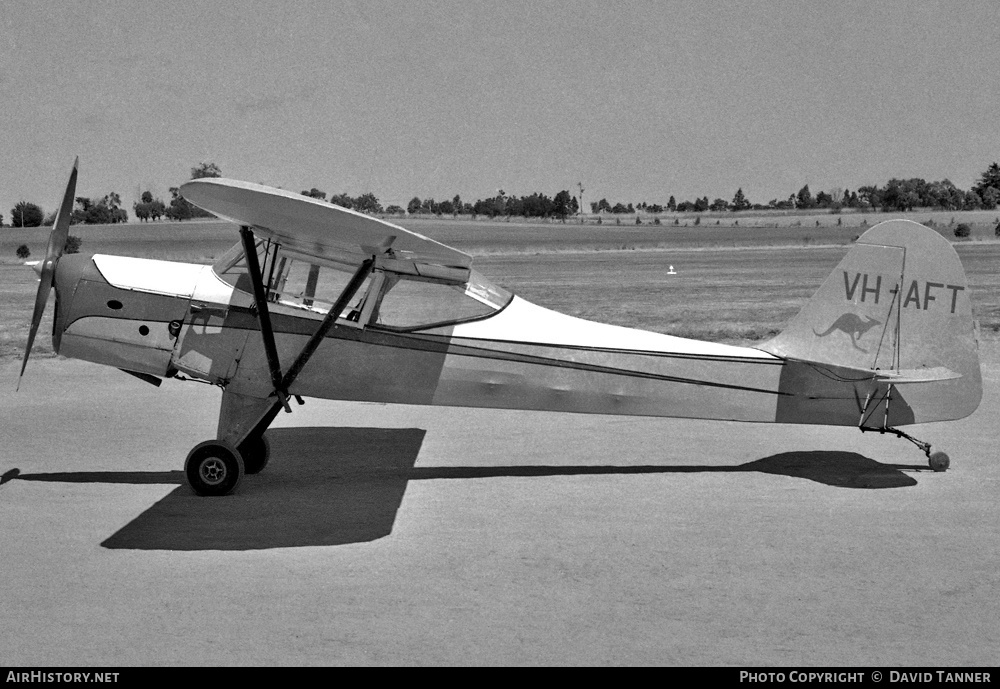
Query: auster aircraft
x,y
320,301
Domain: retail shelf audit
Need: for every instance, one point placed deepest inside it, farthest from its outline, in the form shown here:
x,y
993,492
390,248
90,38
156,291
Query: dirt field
x,y
385,534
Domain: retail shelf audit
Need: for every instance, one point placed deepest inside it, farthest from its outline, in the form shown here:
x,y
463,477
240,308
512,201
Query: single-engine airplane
x,y
320,301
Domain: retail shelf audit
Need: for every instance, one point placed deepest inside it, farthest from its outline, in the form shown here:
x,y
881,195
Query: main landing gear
x,y
215,467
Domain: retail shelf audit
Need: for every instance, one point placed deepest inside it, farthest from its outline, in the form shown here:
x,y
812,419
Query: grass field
x,y
737,285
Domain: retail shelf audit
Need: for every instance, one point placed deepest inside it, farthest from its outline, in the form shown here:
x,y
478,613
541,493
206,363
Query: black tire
x,y
939,461
255,452
214,468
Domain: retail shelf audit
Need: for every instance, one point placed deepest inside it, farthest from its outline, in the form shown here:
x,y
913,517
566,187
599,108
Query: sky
x,y
636,100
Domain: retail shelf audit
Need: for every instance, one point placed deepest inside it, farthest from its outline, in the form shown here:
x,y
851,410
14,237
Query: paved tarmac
x,y
384,534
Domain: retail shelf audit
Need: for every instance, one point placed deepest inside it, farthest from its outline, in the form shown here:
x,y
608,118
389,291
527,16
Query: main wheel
x,y
255,452
939,461
214,467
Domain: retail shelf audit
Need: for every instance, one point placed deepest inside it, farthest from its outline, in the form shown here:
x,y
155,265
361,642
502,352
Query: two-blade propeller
x,y
47,269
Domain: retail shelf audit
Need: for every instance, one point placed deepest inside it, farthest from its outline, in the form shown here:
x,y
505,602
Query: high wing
x,y
324,232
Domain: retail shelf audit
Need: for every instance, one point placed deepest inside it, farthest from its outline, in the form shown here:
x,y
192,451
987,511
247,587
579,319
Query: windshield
x,y
413,304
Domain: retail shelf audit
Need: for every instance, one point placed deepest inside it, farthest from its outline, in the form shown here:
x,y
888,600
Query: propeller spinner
x,y
47,269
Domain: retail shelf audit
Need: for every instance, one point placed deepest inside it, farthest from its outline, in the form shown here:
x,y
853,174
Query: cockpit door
x,y
209,345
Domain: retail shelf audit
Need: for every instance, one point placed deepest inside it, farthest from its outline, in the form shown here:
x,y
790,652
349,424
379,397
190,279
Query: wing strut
x,y
263,314
343,300
283,382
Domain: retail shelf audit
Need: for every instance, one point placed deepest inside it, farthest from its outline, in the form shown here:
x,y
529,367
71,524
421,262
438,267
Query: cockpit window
x,y
386,300
292,284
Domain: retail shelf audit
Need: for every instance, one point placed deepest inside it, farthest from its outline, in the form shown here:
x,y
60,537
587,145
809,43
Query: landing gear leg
x,y
938,461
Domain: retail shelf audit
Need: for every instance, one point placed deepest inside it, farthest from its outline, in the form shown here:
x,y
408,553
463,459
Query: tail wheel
x,y
213,468
255,452
939,461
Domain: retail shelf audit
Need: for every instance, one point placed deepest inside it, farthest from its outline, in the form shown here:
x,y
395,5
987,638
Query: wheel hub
x,y
212,470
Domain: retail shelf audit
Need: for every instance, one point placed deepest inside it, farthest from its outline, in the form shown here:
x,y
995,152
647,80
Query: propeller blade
x,y
41,298
57,242
60,228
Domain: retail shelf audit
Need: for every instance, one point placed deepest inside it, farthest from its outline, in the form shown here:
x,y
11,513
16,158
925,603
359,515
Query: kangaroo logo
x,y
853,325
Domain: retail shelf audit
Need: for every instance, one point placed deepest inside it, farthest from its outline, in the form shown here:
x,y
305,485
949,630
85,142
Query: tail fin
x,y
897,304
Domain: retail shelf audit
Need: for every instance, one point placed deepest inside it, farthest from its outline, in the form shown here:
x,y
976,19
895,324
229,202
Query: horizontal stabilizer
x,y
917,375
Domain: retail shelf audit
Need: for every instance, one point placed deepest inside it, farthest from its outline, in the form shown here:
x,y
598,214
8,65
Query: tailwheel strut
x,y
938,461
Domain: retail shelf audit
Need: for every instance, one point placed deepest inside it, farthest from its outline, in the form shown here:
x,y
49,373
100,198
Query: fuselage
x,y
163,318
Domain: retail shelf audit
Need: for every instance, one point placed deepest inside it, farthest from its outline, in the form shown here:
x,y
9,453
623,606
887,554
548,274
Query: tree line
x,y
895,195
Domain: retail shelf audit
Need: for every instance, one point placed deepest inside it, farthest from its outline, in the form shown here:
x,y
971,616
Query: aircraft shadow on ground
x,y
333,486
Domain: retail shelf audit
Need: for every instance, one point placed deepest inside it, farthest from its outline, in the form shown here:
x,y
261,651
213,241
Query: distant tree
x,y
740,202
205,170
26,214
180,208
414,205
972,200
823,200
561,204
804,198
962,230
342,200
536,206
368,203
149,208
72,245
957,198
988,180
23,252
870,196
719,205
315,193
102,211
446,207
991,197
701,205
603,206
672,204
394,210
